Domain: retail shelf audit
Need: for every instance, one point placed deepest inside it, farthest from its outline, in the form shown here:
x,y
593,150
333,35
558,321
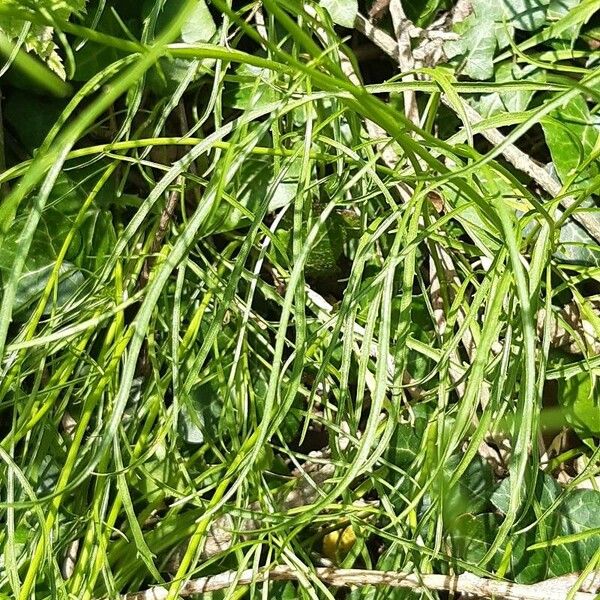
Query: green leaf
x,y
403,446
251,89
91,57
200,414
39,39
515,100
476,45
472,536
322,260
546,492
526,15
471,494
422,12
518,100
578,513
40,261
576,245
200,26
571,134
558,9
342,12
580,398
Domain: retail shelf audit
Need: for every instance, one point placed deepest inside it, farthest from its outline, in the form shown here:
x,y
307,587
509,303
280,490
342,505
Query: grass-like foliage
x,y
269,299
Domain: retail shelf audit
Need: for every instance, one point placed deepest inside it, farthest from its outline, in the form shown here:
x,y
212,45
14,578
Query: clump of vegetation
x,y
294,285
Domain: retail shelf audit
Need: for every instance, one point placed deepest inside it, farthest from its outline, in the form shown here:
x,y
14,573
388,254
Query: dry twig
x,y
553,589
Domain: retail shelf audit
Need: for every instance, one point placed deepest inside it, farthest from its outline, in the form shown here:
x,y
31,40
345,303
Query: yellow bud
x,y
338,543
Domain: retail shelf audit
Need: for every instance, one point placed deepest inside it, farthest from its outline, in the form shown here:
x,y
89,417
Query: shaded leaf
x,y
421,13
472,536
342,12
40,261
527,15
580,398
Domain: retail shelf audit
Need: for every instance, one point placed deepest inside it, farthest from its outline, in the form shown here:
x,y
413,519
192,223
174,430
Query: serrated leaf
x,y
39,39
342,12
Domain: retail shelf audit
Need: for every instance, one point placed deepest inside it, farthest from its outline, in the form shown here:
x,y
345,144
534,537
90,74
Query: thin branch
x,y
554,589
405,57
163,225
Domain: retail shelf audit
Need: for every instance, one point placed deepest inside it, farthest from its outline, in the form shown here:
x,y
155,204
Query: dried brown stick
x,y
165,219
554,589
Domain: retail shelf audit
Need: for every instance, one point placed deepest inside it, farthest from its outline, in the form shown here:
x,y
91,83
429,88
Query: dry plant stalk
x,y
553,589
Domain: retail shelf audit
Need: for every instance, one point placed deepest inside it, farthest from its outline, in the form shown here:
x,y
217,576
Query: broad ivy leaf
x,y
471,494
403,446
576,245
526,15
579,397
571,133
322,261
546,491
488,104
517,101
477,44
473,535
489,9
578,513
252,89
342,12
505,33
40,261
200,413
199,26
